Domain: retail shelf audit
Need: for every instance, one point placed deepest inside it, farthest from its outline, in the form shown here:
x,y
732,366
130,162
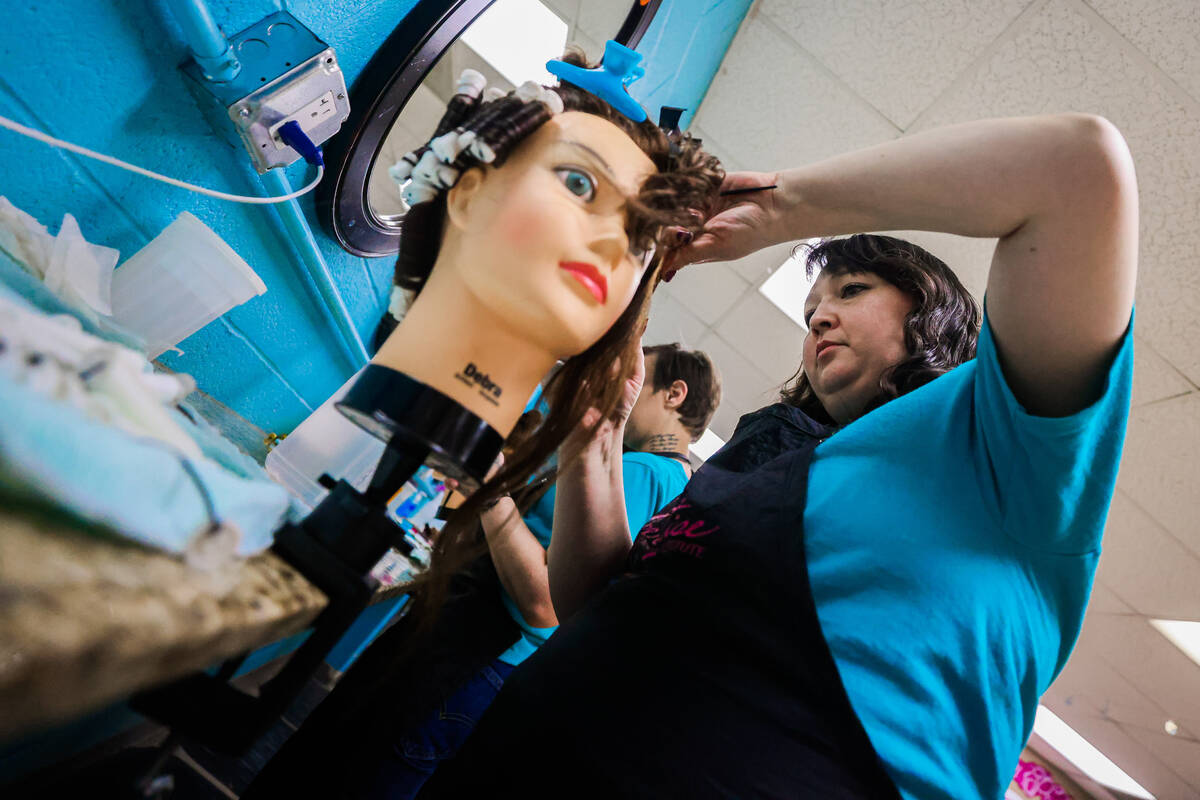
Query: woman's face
x,y
541,240
855,333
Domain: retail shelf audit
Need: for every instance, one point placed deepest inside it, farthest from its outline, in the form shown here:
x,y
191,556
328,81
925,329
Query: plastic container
x,y
183,279
325,442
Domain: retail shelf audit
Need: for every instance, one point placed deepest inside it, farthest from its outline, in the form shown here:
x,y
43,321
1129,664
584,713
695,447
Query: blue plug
x,y
295,137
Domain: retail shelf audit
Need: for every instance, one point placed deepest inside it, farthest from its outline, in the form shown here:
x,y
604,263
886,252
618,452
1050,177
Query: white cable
x,y
5,122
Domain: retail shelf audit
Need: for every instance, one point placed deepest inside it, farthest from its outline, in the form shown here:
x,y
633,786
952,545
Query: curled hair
x,y
939,333
677,196
672,362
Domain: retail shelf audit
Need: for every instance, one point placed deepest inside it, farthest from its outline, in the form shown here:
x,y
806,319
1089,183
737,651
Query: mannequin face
x,y
541,242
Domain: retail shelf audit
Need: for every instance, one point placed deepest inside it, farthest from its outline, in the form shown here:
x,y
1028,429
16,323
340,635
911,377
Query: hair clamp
x,y
619,68
668,122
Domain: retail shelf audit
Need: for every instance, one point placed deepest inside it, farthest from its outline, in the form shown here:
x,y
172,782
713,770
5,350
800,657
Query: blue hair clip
x,y
620,67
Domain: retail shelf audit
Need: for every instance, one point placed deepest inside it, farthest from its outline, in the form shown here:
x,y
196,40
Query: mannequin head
x,y
558,237
542,241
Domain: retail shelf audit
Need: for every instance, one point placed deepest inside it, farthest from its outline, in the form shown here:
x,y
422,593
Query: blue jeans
x,y
417,753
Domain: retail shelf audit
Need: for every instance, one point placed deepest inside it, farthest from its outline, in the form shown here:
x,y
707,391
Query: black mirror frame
x,y
377,97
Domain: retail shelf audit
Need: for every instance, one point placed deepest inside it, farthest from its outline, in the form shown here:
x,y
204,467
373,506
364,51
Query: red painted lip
x,y
823,346
592,279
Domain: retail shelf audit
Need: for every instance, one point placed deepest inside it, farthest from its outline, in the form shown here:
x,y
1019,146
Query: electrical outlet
x,y
310,118
287,73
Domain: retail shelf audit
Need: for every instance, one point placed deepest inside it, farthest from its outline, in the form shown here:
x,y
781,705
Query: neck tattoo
x,y
665,443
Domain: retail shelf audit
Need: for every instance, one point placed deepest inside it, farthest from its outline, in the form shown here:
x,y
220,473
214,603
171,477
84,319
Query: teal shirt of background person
x,y
651,481
985,522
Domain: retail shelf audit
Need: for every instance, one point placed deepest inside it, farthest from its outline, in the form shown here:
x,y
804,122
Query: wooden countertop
x,y
86,620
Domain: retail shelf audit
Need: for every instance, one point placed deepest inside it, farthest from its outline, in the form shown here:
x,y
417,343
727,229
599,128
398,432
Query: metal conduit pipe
x,y
300,235
208,44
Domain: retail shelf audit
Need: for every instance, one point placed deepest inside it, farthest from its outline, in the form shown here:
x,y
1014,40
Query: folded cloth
x,y
140,488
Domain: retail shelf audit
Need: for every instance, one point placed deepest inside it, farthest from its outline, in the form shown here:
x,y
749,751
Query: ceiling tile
x,y
1159,468
712,146
1140,763
1181,755
1065,58
1147,566
969,258
565,9
1144,657
1106,601
726,418
899,55
1153,377
601,19
707,290
757,266
671,322
767,85
764,335
1165,30
1089,686
742,384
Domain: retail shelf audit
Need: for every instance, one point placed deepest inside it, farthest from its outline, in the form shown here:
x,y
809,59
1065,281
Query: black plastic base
x,y
396,408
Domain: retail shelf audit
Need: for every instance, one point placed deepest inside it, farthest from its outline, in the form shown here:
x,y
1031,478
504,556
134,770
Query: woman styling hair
x,y
865,592
537,224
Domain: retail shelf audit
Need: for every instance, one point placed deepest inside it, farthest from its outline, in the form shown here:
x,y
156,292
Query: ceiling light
x,y
1083,755
518,37
1181,633
788,286
708,444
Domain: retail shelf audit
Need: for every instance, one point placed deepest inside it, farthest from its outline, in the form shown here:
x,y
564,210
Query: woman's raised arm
x,y
1058,192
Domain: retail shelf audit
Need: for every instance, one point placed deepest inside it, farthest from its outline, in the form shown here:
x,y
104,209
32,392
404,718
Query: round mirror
x,y
402,93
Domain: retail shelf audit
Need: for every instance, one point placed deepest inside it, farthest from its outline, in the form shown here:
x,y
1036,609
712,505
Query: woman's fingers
x,y
739,224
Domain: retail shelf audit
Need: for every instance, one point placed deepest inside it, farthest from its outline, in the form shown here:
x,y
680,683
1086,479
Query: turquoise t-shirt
x,y
951,541
651,481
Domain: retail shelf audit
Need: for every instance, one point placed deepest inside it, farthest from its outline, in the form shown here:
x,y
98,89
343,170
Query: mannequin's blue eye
x,y
578,182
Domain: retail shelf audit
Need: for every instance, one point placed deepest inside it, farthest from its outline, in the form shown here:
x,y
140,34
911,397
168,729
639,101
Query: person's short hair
x,y
940,333
672,362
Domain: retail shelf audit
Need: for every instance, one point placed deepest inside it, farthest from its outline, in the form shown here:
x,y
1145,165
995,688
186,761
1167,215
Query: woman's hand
x,y
742,223
592,430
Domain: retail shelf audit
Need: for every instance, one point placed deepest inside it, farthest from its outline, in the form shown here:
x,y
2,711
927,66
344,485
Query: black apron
x,y
702,672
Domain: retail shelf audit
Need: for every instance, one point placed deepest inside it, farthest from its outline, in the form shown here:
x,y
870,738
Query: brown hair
x,y
673,363
686,181
940,333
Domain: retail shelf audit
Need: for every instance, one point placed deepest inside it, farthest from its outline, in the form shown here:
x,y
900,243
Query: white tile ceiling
x,y
805,79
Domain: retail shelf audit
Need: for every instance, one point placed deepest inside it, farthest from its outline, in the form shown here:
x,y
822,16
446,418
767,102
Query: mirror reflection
x,y
508,44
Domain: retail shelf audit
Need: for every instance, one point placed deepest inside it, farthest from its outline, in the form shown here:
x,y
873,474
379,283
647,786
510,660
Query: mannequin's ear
x,y
460,199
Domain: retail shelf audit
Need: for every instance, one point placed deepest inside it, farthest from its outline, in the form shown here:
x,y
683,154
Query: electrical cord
x,y
311,153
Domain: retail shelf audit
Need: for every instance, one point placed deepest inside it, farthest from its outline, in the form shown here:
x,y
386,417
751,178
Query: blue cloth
x,y
415,756
951,540
651,481
140,488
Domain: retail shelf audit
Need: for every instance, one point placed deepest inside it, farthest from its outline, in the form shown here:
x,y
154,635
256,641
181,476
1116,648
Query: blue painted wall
x,y
104,75
683,49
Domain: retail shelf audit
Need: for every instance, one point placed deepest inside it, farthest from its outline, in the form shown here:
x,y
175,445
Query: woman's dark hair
x,y
940,333
674,363
678,196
